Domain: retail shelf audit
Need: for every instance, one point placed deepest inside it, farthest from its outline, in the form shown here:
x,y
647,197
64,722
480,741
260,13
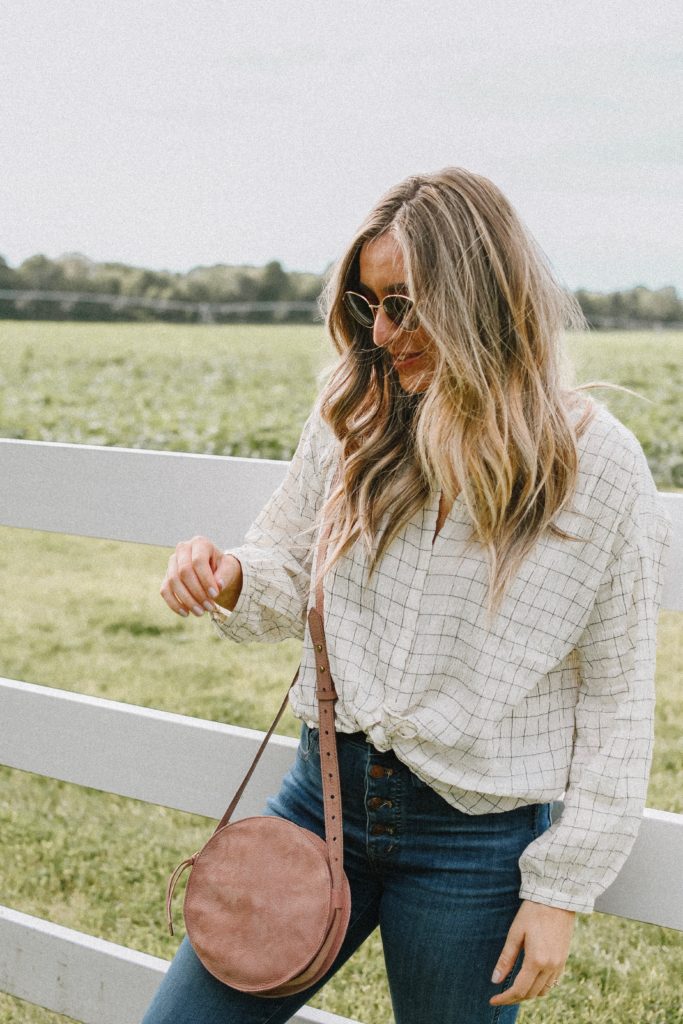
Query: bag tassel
x,y
170,889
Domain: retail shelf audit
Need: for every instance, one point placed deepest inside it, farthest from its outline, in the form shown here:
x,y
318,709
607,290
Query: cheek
x,y
423,341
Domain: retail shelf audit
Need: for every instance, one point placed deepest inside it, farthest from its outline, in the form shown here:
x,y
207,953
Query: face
x,y
382,273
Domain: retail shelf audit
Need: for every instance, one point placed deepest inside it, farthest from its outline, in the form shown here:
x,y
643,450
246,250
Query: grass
x,y
229,390
85,615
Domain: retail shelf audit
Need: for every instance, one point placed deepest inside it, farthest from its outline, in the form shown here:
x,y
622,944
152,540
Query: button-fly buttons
x,y
378,771
380,830
376,802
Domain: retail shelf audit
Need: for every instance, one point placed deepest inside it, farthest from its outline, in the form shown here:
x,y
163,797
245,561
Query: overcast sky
x,y
168,134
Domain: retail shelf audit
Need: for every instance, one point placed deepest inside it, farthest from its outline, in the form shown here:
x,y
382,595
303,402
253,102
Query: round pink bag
x,y
267,902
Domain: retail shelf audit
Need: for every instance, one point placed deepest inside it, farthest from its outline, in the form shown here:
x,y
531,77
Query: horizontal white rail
x,y
130,494
648,886
165,759
155,756
160,498
89,979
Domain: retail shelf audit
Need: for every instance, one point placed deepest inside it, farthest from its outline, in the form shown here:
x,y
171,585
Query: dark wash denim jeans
x,y
443,886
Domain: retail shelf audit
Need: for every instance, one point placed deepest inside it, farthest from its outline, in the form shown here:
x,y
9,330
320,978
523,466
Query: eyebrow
x,y
390,289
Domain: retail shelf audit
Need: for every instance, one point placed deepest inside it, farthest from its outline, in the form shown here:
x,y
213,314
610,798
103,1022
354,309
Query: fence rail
x,y
130,495
205,311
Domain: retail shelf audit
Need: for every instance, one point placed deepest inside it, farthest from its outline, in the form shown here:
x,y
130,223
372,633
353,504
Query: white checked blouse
x,y
554,700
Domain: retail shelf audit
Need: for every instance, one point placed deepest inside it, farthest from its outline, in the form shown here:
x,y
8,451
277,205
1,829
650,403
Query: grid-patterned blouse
x,y
553,700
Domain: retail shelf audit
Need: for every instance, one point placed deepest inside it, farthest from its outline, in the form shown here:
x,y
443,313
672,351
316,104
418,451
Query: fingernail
x,y
181,611
496,976
221,584
213,592
197,610
208,606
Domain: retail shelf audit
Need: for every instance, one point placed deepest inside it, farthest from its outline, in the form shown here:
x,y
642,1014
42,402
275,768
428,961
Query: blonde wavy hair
x,y
494,421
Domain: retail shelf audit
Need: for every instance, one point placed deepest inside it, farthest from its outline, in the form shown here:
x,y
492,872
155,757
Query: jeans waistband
x,y
360,739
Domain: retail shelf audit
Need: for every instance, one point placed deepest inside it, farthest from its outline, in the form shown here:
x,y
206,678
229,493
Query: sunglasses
x,y
399,308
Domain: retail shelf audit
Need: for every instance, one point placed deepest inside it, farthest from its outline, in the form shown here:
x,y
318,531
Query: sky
x,y
171,135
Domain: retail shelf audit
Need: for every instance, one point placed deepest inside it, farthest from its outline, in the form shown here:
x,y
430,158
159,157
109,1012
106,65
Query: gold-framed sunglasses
x,y
399,308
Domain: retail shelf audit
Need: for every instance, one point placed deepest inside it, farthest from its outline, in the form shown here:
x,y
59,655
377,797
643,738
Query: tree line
x,y
221,283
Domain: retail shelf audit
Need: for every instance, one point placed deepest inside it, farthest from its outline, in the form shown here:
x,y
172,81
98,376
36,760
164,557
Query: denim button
x,y
378,771
376,802
380,830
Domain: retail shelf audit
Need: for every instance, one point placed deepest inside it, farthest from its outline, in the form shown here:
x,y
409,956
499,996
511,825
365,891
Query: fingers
x,y
545,934
549,985
190,583
530,983
509,953
525,983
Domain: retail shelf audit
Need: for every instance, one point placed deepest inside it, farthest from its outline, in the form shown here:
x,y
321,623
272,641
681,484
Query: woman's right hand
x,y
200,575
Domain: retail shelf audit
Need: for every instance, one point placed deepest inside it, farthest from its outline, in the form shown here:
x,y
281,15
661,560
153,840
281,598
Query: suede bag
x,y
267,902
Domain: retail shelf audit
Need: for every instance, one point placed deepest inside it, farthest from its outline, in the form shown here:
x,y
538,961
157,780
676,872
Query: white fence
x,y
21,299
131,495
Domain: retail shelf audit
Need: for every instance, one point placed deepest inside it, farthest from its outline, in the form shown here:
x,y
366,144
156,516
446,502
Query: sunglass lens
x,y
400,309
359,309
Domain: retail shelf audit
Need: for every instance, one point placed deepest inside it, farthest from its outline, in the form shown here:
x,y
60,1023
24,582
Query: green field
x,y
85,615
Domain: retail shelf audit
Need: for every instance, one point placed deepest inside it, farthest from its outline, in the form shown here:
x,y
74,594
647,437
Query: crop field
x,y
85,615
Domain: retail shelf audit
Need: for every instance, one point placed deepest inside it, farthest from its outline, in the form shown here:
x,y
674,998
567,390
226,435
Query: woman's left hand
x,y
545,934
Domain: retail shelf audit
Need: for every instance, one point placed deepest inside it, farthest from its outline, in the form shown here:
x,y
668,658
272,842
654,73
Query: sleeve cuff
x,y
233,625
557,898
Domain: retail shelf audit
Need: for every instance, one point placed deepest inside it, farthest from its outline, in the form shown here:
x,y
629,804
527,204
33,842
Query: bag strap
x,y
326,696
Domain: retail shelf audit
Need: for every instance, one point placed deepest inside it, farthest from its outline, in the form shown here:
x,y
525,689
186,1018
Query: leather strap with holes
x,y
329,764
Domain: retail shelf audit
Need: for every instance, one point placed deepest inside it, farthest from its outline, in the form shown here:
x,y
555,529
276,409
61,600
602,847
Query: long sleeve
x,y
580,855
276,556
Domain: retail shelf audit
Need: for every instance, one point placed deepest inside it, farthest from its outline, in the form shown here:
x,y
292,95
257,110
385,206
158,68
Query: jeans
x,y
442,885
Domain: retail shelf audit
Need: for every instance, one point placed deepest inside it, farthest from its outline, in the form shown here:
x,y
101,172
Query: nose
x,y
383,330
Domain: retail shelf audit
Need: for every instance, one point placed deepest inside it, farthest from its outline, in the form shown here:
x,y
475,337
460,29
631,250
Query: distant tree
x,y
617,304
8,277
248,287
274,284
308,286
666,305
40,272
145,282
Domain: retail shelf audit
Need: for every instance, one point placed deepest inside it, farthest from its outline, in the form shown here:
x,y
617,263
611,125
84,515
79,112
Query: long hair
x,y
495,422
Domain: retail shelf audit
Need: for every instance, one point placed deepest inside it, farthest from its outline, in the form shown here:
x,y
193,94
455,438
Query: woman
x,y
492,585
